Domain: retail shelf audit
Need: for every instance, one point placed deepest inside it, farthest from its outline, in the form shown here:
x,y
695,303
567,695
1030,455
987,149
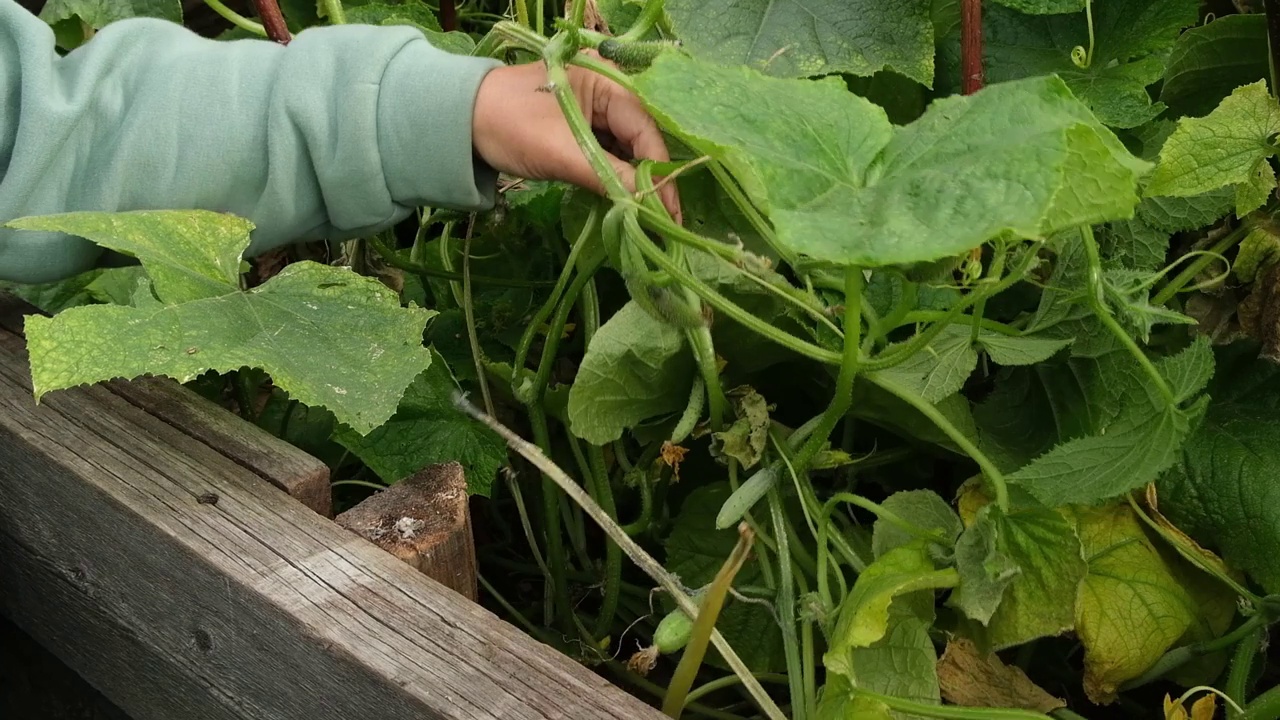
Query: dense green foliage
x,y
983,373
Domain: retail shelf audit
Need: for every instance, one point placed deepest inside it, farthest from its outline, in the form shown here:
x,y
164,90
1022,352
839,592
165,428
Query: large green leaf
x,y
1210,61
1131,608
844,187
636,368
1130,41
1228,147
1134,446
426,429
802,38
1039,600
98,13
202,321
1223,490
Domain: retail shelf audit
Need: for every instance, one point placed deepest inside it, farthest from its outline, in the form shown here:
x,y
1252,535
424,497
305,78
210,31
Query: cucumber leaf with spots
x,y
201,320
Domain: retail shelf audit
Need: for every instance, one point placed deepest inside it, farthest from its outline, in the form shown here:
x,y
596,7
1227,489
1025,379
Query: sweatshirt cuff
x,y
425,105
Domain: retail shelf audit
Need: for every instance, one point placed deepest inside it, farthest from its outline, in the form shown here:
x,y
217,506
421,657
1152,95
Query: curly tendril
x,y
1080,57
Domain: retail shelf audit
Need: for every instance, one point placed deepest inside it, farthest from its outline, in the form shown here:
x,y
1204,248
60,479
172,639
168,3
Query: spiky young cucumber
x,y
634,56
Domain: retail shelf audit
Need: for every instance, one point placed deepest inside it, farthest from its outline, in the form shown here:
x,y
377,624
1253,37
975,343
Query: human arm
x,y
337,135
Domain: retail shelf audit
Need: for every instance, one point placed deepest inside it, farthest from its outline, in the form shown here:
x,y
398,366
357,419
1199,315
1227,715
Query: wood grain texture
x,y
300,475
248,607
425,521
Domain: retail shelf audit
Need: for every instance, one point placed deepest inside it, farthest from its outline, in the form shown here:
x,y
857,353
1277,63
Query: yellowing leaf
x,y
864,615
1228,147
1039,600
1131,609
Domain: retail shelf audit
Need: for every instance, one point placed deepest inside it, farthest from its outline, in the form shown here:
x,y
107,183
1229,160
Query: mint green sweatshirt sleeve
x,y
339,134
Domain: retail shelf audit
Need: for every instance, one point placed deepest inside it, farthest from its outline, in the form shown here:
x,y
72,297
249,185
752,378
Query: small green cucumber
x,y
633,55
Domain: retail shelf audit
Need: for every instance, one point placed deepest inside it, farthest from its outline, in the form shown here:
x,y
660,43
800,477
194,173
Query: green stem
x,y
603,492
753,216
923,316
704,623
469,314
787,607
1265,707
578,16
980,307
733,258
658,692
922,339
579,126
1237,687
236,18
950,712
514,485
1098,304
560,608
571,265
522,12
333,9
842,397
643,522
358,483
649,17
391,258
725,306
930,411
888,516
538,422
1189,273
510,609
704,353
729,681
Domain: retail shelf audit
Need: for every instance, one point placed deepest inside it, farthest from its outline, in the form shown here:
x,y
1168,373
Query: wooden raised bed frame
x,y
148,538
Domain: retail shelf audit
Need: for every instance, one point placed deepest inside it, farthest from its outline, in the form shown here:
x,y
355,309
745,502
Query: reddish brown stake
x,y
424,521
273,21
971,45
448,15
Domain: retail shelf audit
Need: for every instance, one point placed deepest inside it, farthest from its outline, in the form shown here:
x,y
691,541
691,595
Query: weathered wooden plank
x,y
300,475
425,521
248,607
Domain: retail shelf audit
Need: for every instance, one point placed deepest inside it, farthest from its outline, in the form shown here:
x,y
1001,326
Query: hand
x,y
520,130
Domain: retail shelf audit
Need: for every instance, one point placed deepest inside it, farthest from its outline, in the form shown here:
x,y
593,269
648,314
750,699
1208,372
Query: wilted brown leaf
x,y
968,678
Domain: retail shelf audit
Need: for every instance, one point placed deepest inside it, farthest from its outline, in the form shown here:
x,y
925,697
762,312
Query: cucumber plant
x,y
987,377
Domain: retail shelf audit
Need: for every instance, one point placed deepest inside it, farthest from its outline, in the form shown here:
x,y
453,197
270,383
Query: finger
x,y
621,113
